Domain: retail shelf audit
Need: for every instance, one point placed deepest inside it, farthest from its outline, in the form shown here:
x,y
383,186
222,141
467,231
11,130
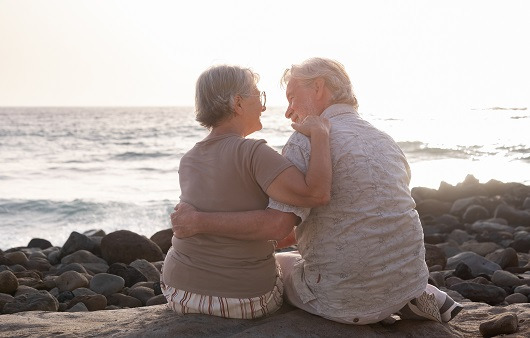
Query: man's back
x,y
364,251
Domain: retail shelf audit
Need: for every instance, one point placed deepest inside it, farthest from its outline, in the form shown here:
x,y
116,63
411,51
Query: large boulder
x,y
124,246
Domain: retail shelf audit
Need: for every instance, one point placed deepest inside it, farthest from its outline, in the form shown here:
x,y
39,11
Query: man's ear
x,y
319,85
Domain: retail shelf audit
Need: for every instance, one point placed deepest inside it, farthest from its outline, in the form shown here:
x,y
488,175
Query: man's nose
x,y
288,113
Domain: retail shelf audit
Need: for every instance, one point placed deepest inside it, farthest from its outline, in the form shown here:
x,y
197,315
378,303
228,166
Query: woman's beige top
x,y
225,173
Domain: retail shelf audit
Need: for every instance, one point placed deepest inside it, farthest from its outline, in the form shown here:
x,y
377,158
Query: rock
x,y
463,271
65,296
480,293
71,280
17,257
163,239
124,246
8,282
504,257
477,263
77,242
39,301
24,289
481,249
94,232
130,274
504,324
37,263
432,207
83,292
521,244
5,298
156,300
39,243
526,204
147,269
35,283
142,293
505,278
82,256
490,225
474,213
92,302
435,256
459,236
71,267
512,215
122,300
79,307
516,298
106,284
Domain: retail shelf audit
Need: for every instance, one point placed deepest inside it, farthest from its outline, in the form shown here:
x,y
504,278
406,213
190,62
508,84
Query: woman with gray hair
x,y
228,277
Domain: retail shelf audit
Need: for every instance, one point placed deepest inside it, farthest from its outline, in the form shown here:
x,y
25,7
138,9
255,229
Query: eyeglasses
x,y
262,98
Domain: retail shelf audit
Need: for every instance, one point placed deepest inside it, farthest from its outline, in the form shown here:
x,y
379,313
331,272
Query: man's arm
x,y
312,189
269,224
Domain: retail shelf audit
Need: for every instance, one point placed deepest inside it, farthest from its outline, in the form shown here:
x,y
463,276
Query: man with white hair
x,y
361,258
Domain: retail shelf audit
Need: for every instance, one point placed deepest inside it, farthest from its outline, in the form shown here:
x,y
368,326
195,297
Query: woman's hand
x,y
312,124
182,220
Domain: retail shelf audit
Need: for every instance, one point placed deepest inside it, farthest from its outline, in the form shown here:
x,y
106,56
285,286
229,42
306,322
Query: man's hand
x,y
312,124
182,220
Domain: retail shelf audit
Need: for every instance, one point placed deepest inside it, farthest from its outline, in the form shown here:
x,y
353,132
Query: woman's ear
x,y
238,105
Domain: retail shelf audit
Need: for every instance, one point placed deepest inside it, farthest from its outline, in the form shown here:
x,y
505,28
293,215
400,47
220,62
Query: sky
x,y
399,54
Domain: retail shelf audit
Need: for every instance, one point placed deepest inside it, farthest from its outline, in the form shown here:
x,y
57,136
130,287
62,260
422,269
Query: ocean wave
x,y
55,220
416,150
132,155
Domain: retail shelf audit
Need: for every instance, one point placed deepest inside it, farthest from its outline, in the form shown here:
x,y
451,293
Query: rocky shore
x,y
477,238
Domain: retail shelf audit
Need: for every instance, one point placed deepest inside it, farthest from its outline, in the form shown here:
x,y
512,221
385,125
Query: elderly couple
x,y
340,192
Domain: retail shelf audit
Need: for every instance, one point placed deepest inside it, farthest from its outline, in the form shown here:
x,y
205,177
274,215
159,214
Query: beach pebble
x,y
106,284
65,296
37,301
82,256
474,213
476,263
524,289
39,243
121,300
8,282
163,238
17,257
502,324
130,274
71,267
78,307
504,257
83,292
38,263
505,278
125,246
480,293
77,242
92,302
5,298
463,271
147,269
512,215
516,298
481,249
24,289
142,293
521,244
71,280
156,300
460,236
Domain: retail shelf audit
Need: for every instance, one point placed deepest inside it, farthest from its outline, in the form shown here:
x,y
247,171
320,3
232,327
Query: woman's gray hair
x,y
216,90
333,73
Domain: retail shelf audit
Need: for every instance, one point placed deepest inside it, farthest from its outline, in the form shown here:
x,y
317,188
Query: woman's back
x,y
225,173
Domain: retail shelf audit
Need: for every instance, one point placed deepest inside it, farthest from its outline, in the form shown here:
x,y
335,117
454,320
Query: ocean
x,y
77,169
